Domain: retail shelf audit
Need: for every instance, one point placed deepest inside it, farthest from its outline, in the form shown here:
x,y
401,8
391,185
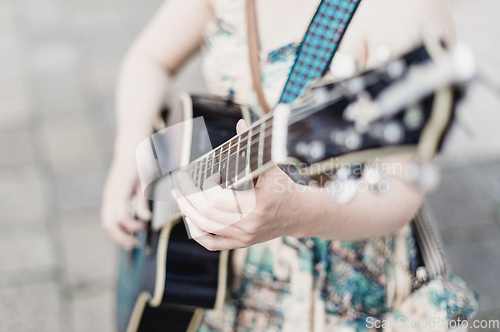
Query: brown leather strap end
x,y
253,53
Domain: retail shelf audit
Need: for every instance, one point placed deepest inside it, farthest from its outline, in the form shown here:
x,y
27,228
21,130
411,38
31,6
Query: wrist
x,y
299,212
312,221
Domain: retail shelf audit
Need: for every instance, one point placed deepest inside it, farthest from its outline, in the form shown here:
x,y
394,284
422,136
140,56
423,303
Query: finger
x,y
241,126
198,199
213,243
124,238
141,210
208,225
132,225
238,202
194,231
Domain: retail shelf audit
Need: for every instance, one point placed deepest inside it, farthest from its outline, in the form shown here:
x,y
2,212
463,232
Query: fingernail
x,y
240,125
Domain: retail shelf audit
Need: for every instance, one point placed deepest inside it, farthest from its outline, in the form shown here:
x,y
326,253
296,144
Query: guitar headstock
x,y
403,107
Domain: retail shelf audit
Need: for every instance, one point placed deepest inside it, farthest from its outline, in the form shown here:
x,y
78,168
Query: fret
x,y
242,150
261,144
210,165
199,173
249,142
214,163
228,162
174,183
223,164
219,162
195,172
254,148
231,161
236,166
205,167
220,156
266,155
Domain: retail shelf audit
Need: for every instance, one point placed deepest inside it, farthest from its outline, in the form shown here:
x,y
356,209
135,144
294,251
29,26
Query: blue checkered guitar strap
x,y
319,45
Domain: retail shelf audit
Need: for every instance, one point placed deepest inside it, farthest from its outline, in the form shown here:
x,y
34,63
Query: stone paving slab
x,y
26,254
17,148
80,192
88,254
22,195
30,308
479,264
95,313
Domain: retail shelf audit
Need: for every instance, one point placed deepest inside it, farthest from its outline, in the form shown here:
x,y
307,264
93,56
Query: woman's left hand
x,y
223,219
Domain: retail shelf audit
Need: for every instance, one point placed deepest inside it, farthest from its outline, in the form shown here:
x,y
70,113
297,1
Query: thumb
x,y
241,126
142,210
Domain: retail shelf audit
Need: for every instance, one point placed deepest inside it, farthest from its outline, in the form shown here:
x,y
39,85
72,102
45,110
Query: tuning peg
x,y
343,66
395,69
314,150
393,132
413,117
320,95
349,139
356,85
389,133
361,112
342,187
383,53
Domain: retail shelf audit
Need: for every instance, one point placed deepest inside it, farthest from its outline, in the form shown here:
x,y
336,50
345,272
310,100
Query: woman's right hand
x,y
122,186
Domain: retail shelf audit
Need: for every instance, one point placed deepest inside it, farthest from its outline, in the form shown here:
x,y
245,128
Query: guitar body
x,y
162,283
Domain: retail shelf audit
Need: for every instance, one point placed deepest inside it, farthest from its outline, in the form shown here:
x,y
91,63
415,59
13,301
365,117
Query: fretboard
x,y
237,161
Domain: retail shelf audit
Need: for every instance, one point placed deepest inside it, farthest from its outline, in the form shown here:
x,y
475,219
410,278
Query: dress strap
x,y
319,45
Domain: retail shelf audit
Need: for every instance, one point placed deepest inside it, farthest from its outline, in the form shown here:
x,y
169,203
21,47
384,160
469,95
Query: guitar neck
x,y
237,159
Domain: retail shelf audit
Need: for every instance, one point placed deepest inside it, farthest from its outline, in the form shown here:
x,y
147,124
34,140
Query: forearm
x,y
368,215
140,95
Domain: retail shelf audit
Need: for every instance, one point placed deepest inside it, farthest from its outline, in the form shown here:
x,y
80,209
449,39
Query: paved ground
x,y
58,64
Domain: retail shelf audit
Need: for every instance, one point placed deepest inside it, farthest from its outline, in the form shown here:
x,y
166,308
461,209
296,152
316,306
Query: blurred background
x,y
59,61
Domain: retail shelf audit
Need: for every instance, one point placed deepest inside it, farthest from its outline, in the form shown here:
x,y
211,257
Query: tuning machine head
x,y
349,139
413,117
312,151
343,185
389,132
362,111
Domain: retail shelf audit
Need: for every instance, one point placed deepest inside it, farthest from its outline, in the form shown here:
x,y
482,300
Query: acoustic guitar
x,y
404,106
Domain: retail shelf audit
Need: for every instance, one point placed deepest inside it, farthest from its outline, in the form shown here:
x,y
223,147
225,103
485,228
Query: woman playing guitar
x,y
302,262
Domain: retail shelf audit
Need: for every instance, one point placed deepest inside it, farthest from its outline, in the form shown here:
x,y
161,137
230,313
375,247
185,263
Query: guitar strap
x,y
318,47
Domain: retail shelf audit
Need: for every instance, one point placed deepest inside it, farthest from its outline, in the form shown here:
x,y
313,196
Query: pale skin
x,y
298,211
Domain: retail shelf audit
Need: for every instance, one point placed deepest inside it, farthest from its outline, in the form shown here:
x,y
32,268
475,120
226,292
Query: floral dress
x,y
307,284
